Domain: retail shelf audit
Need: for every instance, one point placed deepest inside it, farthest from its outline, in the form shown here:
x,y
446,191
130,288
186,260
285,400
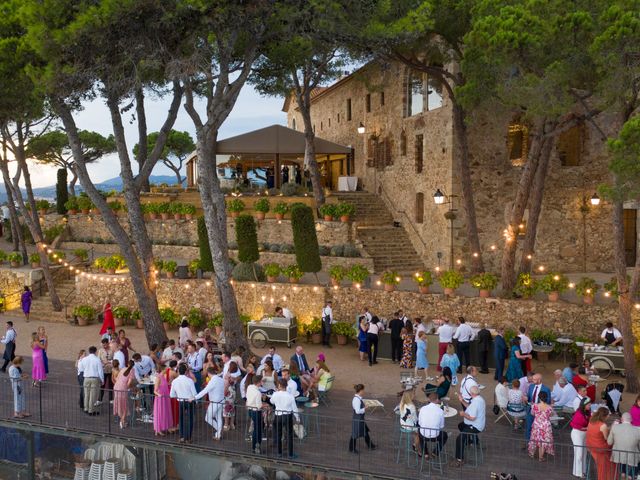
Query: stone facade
x,y
306,301
13,281
405,158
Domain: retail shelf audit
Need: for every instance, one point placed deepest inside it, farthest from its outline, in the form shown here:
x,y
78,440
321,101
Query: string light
x,y
475,254
315,289
541,268
284,298
637,305
208,284
437,269
493,247
571,285
253,285
273,287
556,277
529,257
398,279
417,274
378,283
607,294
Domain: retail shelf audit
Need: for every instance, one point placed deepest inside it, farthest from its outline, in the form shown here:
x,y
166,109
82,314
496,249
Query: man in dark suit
x,y
300,360
484,347
395,326
500,351
533,396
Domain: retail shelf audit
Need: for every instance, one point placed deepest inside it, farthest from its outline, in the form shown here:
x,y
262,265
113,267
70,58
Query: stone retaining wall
x,y
12,282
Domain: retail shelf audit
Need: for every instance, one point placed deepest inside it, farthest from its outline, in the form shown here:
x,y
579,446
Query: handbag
x,y
496,409
298,430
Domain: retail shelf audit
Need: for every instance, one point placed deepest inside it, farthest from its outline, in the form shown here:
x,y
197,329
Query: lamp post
x,y
594,201
440,198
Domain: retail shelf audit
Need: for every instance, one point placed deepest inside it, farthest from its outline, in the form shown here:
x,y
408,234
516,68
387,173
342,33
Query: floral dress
x,y
541,432
229,410
407,346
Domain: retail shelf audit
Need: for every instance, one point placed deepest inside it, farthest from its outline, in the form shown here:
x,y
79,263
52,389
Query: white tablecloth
x,y
347,184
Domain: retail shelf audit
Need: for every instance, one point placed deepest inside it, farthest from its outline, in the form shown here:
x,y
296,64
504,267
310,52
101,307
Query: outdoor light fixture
x,y
595,200
438,197
361,128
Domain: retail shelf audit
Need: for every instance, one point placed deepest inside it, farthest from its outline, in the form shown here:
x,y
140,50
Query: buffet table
x,y
347,184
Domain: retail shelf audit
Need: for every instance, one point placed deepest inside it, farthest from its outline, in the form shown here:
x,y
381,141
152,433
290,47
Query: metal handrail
x,y
389,202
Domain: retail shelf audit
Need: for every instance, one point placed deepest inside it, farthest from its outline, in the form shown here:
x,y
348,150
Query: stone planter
x,y
72,212
15,264
85,211
423,289
153,216
316,338
389,287
335,283
164,216
450,292
95,211
553,296
170,274
341,340
37,265
111,271
344,218
177,216
328,218
272,279
166,326
118,322
83,322
485,293
279,216
139,324
260,215
294,280
188,216
588,299
42,213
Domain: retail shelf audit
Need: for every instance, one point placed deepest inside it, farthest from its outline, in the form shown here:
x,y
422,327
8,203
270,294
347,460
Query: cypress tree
x,y
247,239
305,240
206,262
62,194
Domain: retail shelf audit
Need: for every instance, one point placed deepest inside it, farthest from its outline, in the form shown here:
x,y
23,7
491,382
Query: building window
x,y
419,208
367,102
293,123
569,146
329,119
338,118
518,144
403,143
314,128
382,99
434,93
419,151
348,109
415,93
320,126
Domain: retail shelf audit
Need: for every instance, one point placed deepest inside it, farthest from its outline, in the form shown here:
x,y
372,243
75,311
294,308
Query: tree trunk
x,y
72,183
304,105
143,152
16,231
625,300
460,134
215,219
535,206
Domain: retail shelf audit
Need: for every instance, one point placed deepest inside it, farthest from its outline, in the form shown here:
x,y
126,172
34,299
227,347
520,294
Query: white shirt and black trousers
x,y
184,389
285,407
327,320
359,427
372,343
9,341
464,335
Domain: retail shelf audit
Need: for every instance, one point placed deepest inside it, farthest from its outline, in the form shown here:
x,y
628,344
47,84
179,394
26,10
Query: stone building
x,y
399,124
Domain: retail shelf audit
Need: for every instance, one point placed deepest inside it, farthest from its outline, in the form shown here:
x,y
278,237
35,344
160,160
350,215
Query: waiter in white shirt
x,y
403,317
464,335
254,405
611,335
215,390
9,341
327,321
359,426
367,314
445,337
285,409
284,312
526,348
184,390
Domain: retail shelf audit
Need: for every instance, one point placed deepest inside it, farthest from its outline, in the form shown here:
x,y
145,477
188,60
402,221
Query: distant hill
x,y
49,193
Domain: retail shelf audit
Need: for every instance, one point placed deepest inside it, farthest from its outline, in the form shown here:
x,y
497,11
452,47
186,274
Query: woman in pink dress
x,y
541,431
162,415
125,379
38,373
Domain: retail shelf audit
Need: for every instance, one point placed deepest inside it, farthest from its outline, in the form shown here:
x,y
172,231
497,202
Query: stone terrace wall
x,y
306,301
12,282
83,227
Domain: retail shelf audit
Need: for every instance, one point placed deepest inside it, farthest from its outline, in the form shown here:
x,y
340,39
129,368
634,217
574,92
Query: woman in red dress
x,y
107,316
582,380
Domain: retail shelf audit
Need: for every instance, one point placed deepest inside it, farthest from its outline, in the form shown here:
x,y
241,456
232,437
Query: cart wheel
x,y
258,339
603,367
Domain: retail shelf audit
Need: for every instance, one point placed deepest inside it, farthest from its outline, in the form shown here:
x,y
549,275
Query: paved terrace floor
x,y
55,404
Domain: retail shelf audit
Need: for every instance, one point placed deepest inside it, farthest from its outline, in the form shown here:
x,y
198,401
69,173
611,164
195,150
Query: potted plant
x,y
272,271
71,205
188,210
170,266
175,209
328,211
344,331
358,274
159,265
337,274
15,258
450,280
553,284
315,329
153,210
280,210
197,318
169,318
587,288
81,254
137,316
116,207
484,282
121,315
34,258
84,204
293,273
424,280
43,206
3,256
345,210
390,279
526,286
235,207
261,208
99,262
194,266
216,323
163,210
84,314
113,263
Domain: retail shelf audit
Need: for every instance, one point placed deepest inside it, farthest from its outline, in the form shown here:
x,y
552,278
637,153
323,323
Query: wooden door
x,y
630,236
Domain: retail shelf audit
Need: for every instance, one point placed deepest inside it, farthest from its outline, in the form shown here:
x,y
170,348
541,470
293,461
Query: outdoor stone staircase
x,y
389,246
41,309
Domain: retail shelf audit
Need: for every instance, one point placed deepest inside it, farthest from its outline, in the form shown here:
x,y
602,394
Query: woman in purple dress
x,y
38,373
25,302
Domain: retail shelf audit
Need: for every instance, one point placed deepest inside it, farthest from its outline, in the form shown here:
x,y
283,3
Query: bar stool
x,y
438,462
478,454
310,410
406,442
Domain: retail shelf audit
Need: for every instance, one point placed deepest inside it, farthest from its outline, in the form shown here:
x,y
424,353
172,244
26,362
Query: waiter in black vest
x,y
358,425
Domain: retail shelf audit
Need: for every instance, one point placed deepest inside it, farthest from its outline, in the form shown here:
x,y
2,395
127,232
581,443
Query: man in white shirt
x,y
254,405
195,365
445,337
143,366
167,354
367,314
275,359
526,347
285,409
284,312
9,342
525,382
292,386
464,335
566,394
116,348
474,422
431,425
327,321
611,335
467,384
93,379
202,352
557,390
582,393
215,390
184,390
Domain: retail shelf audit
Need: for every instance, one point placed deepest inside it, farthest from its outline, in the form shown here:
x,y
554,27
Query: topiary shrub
x,y
62,194
248,272
324,250
274,247
305,239
206,262
337,250
350,250
247,239
286,248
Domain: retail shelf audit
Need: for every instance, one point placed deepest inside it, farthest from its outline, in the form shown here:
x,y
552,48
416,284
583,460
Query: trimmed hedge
x,y
247,239
248,272
305,240
206,262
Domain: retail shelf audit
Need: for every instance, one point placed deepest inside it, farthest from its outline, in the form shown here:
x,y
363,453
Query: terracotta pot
x,y
170,274
235,214
85,211
316,338
153,216
111,271
335,283
450,291
139,324
260,215
588,299
72,212
389,287
553,296
177,216
188,216
341,340
423,289
272,279
164,216
218,329
294,280
95,211
37,265
83,322
166,326
15,264
279,216
42,213
118,322
485,293
328,218
344,218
